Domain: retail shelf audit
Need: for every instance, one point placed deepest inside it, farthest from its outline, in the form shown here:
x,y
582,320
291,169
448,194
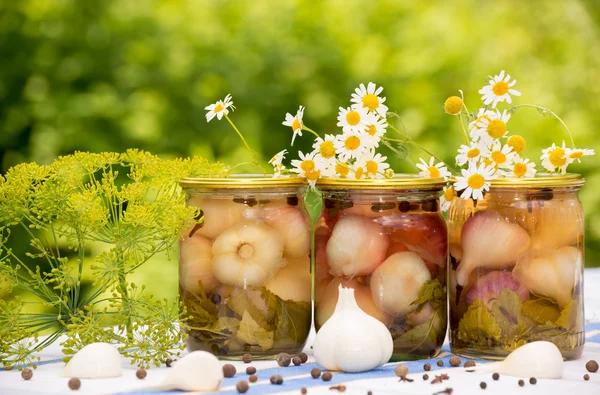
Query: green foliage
x,y
75,201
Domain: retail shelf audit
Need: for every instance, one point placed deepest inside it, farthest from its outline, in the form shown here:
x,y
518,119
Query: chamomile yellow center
x,y
453,105
372,167
371,129
517,143
496,128
313,175
498,157
434,172
520,169
307,165
327,150
449,194
481,118
296,124
576,155
476,181
352,143
557,158
370,101
473,153
353,118
342,169
500,88
218,108
488,162
359,172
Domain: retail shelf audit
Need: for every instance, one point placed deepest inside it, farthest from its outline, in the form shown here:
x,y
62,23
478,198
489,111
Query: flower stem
x,y
310,131
459,117
255,163
551,113
409,141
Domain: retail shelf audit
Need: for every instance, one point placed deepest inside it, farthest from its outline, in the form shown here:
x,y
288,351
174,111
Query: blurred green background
x,y
112,74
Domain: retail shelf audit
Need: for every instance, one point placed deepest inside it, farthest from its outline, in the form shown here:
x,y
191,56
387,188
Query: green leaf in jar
x,y
313,202
570,317
290,319
478,324
507,313
421,337
541,310
252,333
431,292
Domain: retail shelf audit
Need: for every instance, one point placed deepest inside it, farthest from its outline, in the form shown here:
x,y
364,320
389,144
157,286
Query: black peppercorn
x,y
247,358
250,370
586,377
315,373
141,374
521,383
483,385
592,366
369,392
283,359
327,376
253,378
533,380
229,370
292,201
242,386
303,357
74,384
215,298
455,361
427,367
27,374
496,376
440,363
426,377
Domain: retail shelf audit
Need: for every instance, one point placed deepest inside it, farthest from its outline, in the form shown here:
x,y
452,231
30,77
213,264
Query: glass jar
x,y
244,271
387,240
517,267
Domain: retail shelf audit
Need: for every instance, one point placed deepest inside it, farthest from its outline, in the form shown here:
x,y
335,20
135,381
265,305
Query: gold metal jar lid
x,y
541,180
243,181
398,181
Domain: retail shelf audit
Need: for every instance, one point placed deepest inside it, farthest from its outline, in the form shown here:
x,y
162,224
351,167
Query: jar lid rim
x,y
540,180
240,181
395,182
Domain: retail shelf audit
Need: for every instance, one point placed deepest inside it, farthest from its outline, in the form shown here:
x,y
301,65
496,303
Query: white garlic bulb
x,y
351,340
198,371
95,361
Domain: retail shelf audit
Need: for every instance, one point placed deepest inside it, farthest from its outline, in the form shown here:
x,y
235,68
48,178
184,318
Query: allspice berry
x,y
425,376
483,385
401,370
455,361
469,364
303,357
250,370
427,367
533,381
315,373
586,377
283,359
327,376
296,361
440,363
247,358
496,376
521,383
303,391
27,374
141,374
592,366
242,386
229,370
276,379
253,378
74,383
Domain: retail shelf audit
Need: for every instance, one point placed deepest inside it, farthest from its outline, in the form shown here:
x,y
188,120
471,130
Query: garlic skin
x,y
395,284
490,242
553,274
290,222
95,361
540,359
197,371
356,247
195,264
219,214
292,282
489,286
247,254
351,340
327,299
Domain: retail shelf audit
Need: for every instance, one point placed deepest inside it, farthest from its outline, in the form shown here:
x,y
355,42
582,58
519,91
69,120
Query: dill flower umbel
x,y
498,90
219,109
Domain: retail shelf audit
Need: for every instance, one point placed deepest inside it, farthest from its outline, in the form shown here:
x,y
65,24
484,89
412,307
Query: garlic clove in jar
x,y
356,247
351,340
195,264
219,214
198,371
247,254
553,274
395,284
489,286
95,361
328,299
559,223
292,282
490,242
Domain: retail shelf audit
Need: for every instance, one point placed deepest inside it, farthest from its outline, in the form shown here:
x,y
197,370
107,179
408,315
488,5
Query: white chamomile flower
x,y
492,126
481,114
342,169
359,171
373,164
309,167
575,154
277,162
369,99
446,198
219,109
352,119
295,122
474,181
521,168
498,90
555,158
471,153
501,156
326,148
375,129
432,170
351,145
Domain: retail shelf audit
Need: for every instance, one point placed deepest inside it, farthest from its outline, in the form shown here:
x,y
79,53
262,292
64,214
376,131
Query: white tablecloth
x,y
46,379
